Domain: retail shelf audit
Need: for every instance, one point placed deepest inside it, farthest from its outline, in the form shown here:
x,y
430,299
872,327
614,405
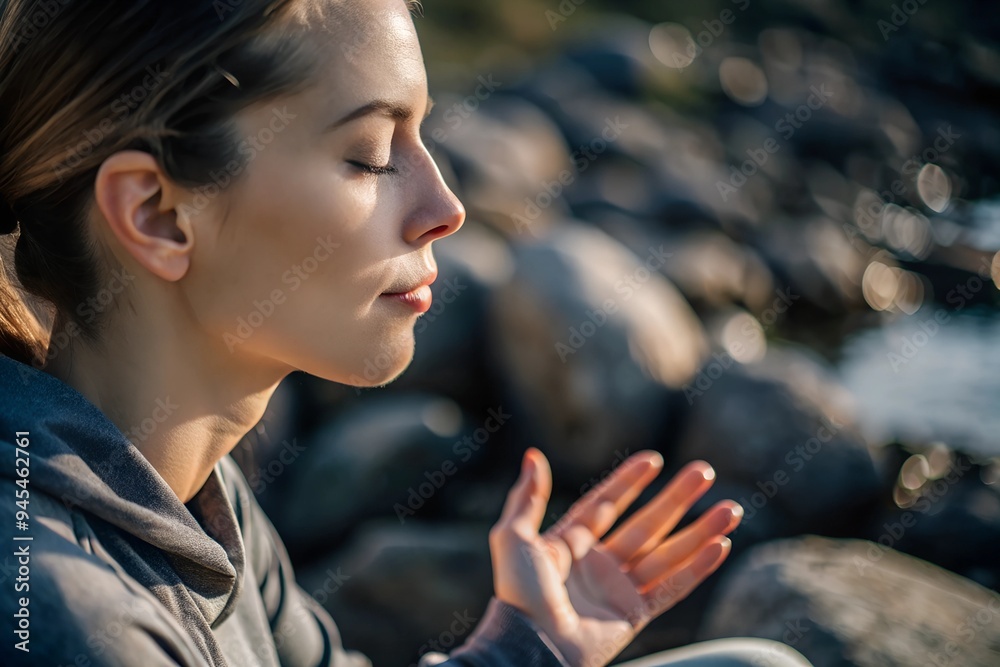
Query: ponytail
x,y
20,331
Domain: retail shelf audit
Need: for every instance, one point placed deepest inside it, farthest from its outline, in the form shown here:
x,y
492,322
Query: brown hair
x,y
81,80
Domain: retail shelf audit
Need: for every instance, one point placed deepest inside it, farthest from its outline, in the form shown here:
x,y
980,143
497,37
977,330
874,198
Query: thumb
x,y
527,500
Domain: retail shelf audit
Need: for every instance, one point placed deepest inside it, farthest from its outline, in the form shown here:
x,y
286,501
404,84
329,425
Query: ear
x,y
137,201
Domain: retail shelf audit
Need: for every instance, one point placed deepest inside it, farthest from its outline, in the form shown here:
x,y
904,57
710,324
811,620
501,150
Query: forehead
x,y
366,49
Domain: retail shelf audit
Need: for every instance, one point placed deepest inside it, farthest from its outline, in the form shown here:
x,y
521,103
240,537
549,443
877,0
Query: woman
x,y
165,169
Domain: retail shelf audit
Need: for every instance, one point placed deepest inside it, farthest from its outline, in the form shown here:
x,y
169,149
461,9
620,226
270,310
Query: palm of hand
x,y
591,596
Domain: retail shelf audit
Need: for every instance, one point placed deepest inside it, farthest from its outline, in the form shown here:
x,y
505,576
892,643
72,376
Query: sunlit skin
x,y
337,213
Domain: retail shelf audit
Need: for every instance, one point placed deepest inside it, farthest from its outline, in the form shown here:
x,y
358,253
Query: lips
x,y
417,296
425,282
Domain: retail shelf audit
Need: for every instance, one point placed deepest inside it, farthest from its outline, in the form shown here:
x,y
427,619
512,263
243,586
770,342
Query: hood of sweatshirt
x,y
81,459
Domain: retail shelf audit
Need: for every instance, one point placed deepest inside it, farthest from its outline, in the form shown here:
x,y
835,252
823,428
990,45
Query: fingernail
x,y
737,510
725,543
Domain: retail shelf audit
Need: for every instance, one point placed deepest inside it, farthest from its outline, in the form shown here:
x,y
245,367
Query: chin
x,y
378,367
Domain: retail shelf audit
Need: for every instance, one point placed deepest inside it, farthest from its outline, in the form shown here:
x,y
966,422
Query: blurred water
x,y
918,379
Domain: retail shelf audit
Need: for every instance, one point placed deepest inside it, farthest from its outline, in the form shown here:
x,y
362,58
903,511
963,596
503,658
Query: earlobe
x,y
135,198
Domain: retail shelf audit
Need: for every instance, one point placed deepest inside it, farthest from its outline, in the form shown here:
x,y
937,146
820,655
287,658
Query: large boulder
x,y
592,339
782,436
852,603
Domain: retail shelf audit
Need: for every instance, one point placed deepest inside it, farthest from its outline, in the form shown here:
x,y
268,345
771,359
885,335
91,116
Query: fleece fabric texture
x,y
119,572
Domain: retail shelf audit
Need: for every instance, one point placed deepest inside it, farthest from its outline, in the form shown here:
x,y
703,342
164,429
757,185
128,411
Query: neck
x,y
183,401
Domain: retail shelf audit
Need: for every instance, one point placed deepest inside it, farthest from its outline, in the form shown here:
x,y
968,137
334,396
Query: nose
x,y
439,212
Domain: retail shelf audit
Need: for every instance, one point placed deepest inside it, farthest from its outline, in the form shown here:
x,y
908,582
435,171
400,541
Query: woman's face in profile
x,y
335,209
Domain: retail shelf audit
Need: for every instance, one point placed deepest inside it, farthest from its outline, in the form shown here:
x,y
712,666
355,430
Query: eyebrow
x,y
394,110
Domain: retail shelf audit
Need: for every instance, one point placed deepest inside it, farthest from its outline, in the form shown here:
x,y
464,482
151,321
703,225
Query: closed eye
x,y
378,170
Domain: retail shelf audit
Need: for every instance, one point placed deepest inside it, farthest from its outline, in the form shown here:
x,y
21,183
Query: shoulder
x,y
66,606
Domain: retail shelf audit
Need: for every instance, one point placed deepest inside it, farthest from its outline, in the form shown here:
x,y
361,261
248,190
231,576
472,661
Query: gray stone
x,y
783,429
851,603
592,342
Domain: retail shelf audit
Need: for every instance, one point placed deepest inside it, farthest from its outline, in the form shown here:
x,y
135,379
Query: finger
x,y
589,518
578,538
645,529
527,499
677,585
720,520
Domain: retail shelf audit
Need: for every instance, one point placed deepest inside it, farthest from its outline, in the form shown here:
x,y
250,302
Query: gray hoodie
x,y
102,565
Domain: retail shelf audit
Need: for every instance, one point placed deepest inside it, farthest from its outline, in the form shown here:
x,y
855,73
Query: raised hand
x,y
592,593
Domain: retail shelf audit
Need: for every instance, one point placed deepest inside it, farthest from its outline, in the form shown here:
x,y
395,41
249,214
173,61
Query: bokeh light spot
x,y
743,81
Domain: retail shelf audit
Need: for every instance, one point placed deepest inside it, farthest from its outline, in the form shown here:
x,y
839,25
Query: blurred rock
x,y
648,161
853,604
711,270
398,591
503,156
818,262
386,454
618,56
784,430
945,503
592,341
264,444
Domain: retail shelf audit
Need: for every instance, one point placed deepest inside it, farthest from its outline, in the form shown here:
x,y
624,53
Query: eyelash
x,y
375,169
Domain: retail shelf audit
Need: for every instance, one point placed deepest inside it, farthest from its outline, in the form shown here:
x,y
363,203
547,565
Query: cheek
x,y
294,271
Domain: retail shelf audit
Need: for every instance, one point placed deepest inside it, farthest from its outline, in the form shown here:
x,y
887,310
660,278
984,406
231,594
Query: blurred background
x,y
762,233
